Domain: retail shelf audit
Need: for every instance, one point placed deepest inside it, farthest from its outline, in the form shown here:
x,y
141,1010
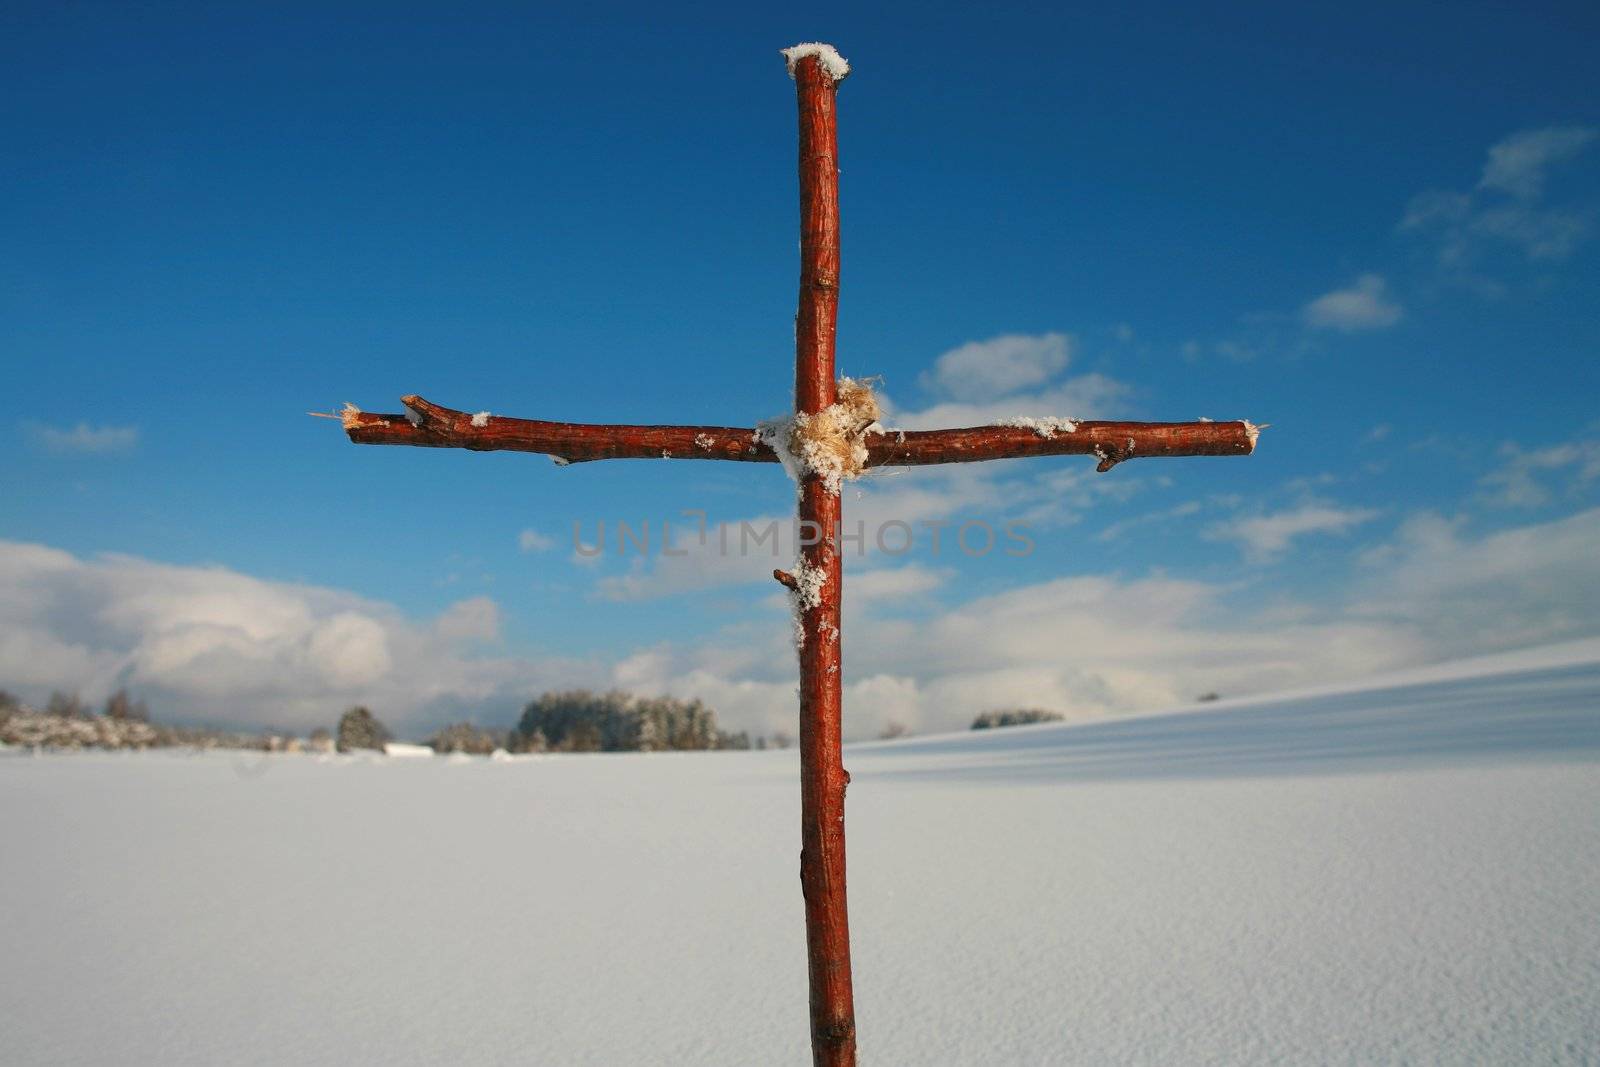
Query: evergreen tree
x,y
582,721
360,729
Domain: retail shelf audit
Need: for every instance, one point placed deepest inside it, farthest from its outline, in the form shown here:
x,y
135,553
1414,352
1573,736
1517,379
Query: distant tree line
x,y
569,721
992,720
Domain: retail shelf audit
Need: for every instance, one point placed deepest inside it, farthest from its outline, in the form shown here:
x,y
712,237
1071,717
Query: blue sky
x,y
1372,227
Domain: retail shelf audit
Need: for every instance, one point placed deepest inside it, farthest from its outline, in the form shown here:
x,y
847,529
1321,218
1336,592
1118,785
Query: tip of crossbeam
x,y
828,56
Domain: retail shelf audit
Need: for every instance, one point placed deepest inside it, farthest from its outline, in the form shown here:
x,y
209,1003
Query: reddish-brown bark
x,y
1112,442
822,774
576,442
431,426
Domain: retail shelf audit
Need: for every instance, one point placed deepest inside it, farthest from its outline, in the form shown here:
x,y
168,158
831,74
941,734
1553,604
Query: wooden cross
x,y
817,69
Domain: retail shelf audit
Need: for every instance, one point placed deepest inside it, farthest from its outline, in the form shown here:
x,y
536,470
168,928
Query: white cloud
x,y
1164,516
1505,208
1517,165
1516,587
349,650
531,540
1364,305
213,644
981,370
83,439
1088,396
1521,481
1097,644
1263,537
210,644
1091,645
1547,234
684,558
894,584
476,619
925,507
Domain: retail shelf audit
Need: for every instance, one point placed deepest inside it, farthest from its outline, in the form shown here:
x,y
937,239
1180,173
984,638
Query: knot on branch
x,y
831,443
1111,455
836,1033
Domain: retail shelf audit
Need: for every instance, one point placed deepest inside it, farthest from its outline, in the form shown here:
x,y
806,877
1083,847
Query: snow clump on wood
x,y
481,419
829,443
805,594
831,60
1047,426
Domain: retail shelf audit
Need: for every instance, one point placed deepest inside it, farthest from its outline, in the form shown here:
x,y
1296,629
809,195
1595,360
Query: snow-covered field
x,y
1400,872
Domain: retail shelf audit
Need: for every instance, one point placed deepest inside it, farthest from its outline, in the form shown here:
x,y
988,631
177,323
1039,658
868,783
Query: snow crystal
x,y
351,415
884,431
805,594
481,419
1254,431
1047,426
560,461
776,434
832,61
704,441
808,583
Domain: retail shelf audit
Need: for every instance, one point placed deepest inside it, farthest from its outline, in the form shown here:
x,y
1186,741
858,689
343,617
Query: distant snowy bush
x,y
464,737
27,728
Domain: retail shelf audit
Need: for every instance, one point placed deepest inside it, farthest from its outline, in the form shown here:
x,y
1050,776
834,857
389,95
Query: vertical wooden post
x,y
822,773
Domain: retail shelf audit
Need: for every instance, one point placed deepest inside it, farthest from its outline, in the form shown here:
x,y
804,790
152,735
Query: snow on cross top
x,y
832,61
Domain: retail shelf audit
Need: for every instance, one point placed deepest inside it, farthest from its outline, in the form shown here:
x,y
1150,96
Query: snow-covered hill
x,y
1401,871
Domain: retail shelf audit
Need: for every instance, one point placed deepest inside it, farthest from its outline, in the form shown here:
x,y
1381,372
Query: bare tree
x,y
123,708
65,705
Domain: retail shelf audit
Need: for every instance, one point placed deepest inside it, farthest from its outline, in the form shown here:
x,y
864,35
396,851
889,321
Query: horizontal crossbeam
x,y
429,425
